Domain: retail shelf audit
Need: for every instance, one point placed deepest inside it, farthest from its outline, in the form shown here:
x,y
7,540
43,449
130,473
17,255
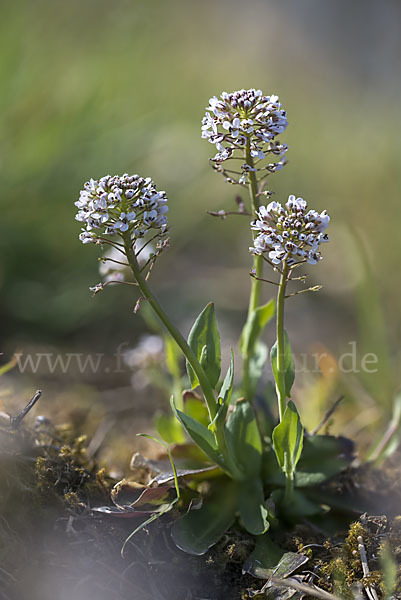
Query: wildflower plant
x,y
258,470
244,126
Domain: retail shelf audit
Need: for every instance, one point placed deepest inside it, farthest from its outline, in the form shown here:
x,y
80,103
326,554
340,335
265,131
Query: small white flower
x,y
87,237
300,232
257,154
313,258
246,116
324,221
117,204
276,256
274,207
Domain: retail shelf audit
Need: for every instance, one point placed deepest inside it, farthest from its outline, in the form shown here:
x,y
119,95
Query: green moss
x,y
66,472
73,501
341,569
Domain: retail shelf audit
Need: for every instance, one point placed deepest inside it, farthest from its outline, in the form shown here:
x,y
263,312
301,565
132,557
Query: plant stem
x,y
207,390
254,298
289,487
171,328
280,384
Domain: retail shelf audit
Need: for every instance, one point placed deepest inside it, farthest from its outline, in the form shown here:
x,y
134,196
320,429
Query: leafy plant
x,y
254,466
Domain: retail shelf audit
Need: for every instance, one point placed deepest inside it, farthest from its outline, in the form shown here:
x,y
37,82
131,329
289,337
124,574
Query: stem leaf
x,y
204,340
289,366
227,386
198,434
288,440
224,397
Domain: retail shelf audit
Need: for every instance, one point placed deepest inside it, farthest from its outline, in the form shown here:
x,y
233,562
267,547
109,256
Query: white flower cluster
x,y
247,117
115,204
291,234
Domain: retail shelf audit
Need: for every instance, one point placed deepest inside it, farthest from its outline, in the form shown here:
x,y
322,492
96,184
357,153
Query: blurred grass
x,y
94,87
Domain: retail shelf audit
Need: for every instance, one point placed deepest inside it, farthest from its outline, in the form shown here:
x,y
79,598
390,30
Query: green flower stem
x,y
207,390
280,384
254,298
172,329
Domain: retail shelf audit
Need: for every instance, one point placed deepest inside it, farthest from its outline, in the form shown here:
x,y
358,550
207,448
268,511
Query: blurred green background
x,y
96,87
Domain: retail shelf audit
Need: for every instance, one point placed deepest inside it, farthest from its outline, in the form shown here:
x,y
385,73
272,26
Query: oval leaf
x,y
200,529
224,397
204,340
199,434
243,439
289,366
251,506
288,440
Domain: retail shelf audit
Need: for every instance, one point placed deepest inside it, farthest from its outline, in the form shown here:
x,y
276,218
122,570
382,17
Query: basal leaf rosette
x,y
245,122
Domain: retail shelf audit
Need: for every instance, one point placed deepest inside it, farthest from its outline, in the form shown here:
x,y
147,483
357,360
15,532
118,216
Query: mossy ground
x,y
54,547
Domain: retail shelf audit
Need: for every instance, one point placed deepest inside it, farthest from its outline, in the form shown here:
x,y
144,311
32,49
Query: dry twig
x,y
310,590
370,591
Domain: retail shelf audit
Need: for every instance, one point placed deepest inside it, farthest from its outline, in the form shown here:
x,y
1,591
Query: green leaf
x,y
251,504
254,327
204,340
199,434
288,440
200,529
289,367
257,362
195,407
169,429
224,397
323,456
263,408
227,387
243,439
300,505
264,558
272,474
